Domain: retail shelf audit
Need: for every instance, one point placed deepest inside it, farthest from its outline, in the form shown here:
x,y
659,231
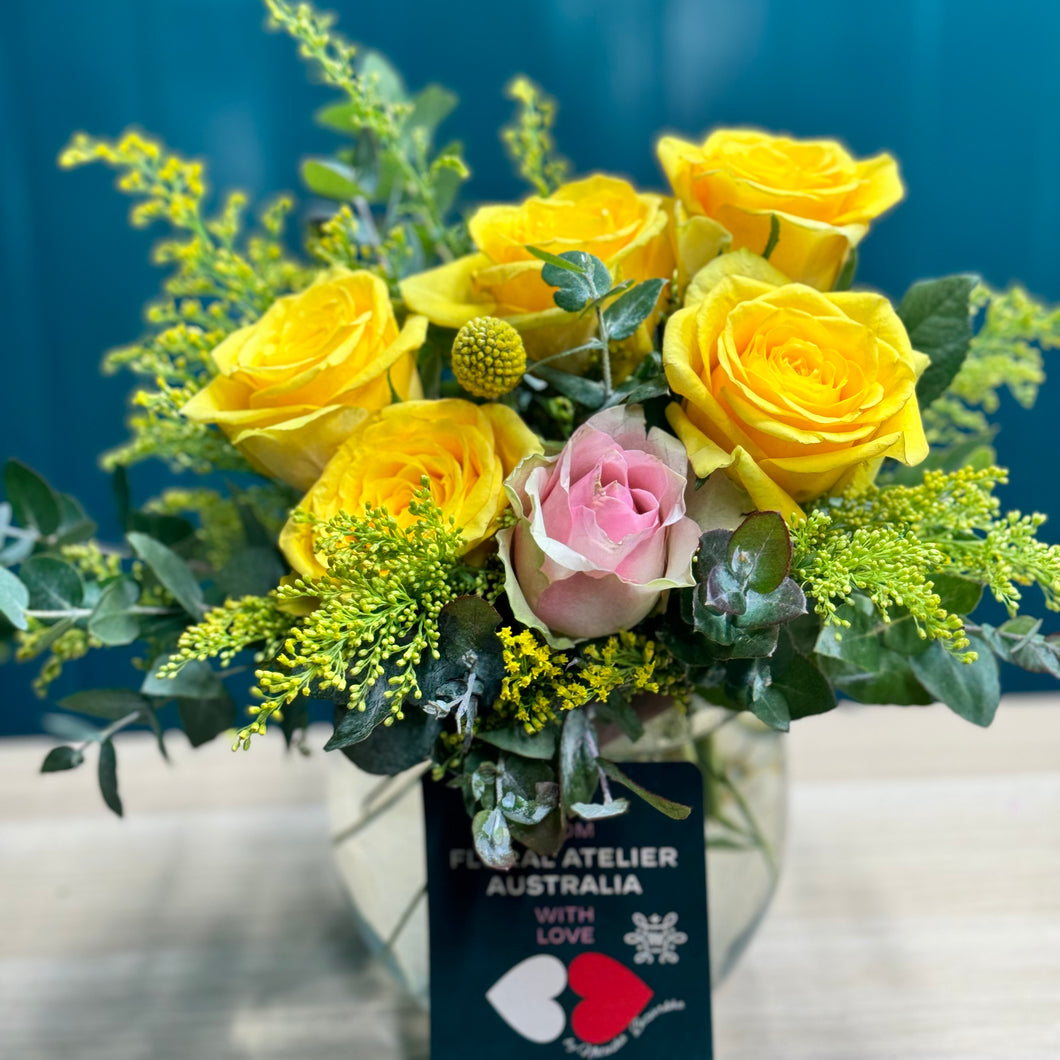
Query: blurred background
x,y
963,92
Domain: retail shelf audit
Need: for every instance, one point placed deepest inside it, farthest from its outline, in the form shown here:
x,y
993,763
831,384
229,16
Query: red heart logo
x,y
614,997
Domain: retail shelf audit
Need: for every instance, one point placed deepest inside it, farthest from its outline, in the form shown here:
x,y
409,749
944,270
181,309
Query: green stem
x,y
85,612
605,341
112,728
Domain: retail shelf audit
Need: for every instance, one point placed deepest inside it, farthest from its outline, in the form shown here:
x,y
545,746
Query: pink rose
x,y
602,529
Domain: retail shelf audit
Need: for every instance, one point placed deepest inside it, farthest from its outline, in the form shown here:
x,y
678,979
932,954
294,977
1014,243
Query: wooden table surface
x,y
918,917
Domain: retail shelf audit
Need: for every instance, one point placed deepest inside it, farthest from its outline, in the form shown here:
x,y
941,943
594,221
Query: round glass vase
x,y
378,833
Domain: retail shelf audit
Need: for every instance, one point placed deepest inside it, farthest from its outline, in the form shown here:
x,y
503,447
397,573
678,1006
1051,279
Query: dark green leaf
x,y
623,316
391,749
619,711
169,529
516,740
34,502
203,719
171,571
785,603
760,551
122,499
156,727
14,599
111,704
972,690
545,838
857,662
936,314
768,703
59,758
586,392
108,776
675,810
751,643
713,549
805,689
330,179
960,596
111,620
252,571
357,725
196,679
53,584
902,635
724,591
74,525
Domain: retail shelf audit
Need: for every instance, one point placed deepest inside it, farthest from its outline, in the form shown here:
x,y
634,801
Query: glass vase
x,y
378,833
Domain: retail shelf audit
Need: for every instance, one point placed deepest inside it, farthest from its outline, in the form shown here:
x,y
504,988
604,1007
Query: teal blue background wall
x,y
964,92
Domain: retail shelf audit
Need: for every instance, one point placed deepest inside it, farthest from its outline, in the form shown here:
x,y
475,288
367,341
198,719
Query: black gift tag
x,y
599,951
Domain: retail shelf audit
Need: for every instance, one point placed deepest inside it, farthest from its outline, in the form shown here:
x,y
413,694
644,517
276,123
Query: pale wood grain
x,y
918,917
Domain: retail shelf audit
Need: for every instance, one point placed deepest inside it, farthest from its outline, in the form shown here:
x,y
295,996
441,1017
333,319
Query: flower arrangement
x,y
500,480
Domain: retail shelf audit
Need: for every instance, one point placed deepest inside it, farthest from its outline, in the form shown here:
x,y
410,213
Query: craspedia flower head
x,y
488,358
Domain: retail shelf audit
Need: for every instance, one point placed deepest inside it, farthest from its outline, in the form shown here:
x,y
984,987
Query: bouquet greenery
x,y
498,484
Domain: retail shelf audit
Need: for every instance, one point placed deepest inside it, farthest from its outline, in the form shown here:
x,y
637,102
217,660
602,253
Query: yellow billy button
x,y
488,357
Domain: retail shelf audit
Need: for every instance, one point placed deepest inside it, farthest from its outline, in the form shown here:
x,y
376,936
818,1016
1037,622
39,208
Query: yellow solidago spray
x,y
489,358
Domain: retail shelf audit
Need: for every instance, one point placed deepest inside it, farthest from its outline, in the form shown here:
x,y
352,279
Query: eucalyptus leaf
x,y
108,776
111,704
60,758
34,502
69,727
204,719
357,725
586,392
111,620
391,749
14,599
171,571
770,706
784,604
53,584
196,679
493,839
760,551
599,811
578,775
971,690
515,739
546,837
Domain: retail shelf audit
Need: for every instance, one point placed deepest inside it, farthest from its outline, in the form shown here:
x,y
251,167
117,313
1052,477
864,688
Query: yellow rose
x,y
821,196
294,384
796,393
628,230
466,451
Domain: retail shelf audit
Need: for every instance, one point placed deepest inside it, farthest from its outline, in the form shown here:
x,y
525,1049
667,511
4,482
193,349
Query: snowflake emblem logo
x,y
655,938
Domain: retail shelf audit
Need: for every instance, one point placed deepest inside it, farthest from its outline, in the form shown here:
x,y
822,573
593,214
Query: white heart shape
x,y
524,997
